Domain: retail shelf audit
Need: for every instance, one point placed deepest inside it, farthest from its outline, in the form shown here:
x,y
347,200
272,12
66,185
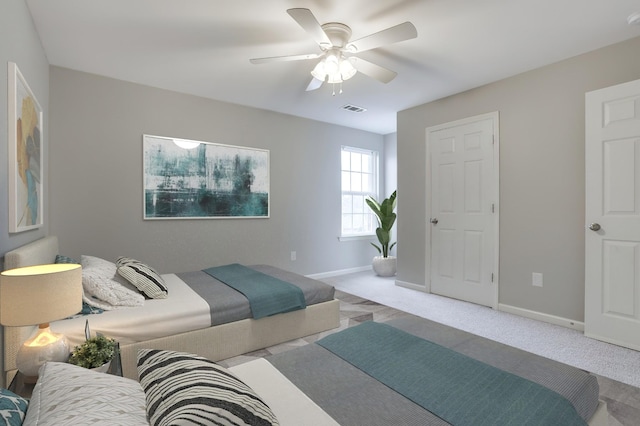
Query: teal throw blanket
x,y
453,386
267,295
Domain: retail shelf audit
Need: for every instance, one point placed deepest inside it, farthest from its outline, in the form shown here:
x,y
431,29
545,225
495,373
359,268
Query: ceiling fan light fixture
x,y
319,71
334,69
346,69
334,78
332,64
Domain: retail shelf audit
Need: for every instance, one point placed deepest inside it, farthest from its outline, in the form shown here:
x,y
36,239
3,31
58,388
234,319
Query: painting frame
x,y
189,179
26,154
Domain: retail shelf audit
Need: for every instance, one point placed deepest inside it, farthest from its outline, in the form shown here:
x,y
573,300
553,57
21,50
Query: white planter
x,y
103,368
384,266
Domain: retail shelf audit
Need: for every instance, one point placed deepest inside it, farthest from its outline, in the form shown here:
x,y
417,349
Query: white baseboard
x,y
339,272
411,286
551,319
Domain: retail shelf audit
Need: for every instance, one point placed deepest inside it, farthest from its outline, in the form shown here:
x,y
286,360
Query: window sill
x,y
356,237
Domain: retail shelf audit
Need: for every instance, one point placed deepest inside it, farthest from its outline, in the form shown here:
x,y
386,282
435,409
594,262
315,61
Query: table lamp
x,y
36,295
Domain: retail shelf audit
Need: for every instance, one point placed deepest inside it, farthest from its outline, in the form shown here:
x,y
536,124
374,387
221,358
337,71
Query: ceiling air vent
x,y
353,108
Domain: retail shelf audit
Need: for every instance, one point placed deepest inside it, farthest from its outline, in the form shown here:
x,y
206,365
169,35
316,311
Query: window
x,y
359,180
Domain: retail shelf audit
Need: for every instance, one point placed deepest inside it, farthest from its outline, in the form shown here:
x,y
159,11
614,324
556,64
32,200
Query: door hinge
x,y
492,277
493,208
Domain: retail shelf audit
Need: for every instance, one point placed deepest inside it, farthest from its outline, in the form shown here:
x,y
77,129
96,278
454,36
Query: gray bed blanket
x,y
228,305
352,397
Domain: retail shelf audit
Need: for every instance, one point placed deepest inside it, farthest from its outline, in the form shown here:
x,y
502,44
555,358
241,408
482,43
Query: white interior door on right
x,y
612,235
463,209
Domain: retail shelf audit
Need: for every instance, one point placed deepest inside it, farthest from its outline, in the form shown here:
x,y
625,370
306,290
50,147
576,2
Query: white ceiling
x,y
203,47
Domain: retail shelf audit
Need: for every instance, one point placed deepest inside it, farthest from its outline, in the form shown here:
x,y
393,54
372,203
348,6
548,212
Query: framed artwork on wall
x,y
26,145
186,179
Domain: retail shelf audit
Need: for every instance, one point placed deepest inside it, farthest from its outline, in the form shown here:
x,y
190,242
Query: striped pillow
x,y
182,388
143,277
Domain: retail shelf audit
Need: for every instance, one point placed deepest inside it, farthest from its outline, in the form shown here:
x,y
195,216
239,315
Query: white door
x,y
612,239
462,158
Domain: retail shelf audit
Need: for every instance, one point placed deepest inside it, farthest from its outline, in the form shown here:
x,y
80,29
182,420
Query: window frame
x,y
375,178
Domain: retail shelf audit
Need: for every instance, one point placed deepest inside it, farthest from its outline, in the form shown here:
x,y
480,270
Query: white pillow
x,y
70,395
103,287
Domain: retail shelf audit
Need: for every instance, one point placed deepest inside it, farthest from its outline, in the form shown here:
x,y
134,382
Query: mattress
x,y
184,310
351,397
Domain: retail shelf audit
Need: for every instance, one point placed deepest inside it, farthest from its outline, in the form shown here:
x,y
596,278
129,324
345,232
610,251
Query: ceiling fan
x,y
337,61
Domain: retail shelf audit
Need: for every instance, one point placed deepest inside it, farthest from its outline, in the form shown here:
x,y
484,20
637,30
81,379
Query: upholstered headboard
x,y
42,251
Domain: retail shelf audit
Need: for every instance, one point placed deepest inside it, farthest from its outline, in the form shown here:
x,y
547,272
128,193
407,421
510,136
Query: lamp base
x,y
43,347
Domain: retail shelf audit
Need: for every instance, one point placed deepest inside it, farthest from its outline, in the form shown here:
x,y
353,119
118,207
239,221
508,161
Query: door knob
x,y
434,220
595,226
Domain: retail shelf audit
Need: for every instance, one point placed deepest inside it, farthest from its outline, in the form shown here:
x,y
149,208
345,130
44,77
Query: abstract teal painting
x,y
186,179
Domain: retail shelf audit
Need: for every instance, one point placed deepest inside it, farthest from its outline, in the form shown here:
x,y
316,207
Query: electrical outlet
x,y
293,256
536,279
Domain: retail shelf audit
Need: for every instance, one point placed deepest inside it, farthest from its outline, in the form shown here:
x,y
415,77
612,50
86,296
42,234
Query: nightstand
x,y
19,387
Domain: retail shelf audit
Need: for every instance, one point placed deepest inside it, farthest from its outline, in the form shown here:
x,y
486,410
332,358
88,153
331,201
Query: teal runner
x,y
267,295
453,386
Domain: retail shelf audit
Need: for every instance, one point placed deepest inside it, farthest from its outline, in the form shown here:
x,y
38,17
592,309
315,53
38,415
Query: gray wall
x,y
391,176
541,175
96,192
19,43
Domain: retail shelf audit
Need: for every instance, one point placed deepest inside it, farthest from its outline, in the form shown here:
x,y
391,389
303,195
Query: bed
x,y
313,386
149,326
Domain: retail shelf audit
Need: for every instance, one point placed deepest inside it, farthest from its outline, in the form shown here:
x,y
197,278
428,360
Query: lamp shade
x,y
40,294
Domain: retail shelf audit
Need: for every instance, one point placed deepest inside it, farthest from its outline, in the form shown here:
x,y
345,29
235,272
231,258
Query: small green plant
x,y
386,219
94,352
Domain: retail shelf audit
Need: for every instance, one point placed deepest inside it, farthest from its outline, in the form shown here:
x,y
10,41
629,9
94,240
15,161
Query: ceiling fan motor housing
x,y
338,33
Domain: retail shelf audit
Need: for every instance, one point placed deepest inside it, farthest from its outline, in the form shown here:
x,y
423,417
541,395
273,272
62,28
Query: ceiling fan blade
x,y
314,84
391,35
310,24
285,58
372,70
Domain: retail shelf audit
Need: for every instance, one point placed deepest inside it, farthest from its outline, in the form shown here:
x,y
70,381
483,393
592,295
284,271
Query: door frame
x,y
495,117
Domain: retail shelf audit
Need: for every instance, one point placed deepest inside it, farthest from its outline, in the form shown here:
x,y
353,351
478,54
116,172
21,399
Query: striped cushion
x,y
144,277
182,388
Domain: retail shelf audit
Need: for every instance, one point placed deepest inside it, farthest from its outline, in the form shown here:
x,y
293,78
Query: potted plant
x,y
95,353
384,265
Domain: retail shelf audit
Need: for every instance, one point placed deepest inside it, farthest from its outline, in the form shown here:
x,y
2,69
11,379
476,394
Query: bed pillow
x,y
65,259
12,408
103,287
66,394
87,309
143,277
180,387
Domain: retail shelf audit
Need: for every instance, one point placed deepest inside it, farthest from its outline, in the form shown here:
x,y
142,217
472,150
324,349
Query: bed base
x,y
239,337
216,343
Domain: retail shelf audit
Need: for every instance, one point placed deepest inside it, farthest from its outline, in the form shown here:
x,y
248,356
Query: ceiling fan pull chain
x,y
334,89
